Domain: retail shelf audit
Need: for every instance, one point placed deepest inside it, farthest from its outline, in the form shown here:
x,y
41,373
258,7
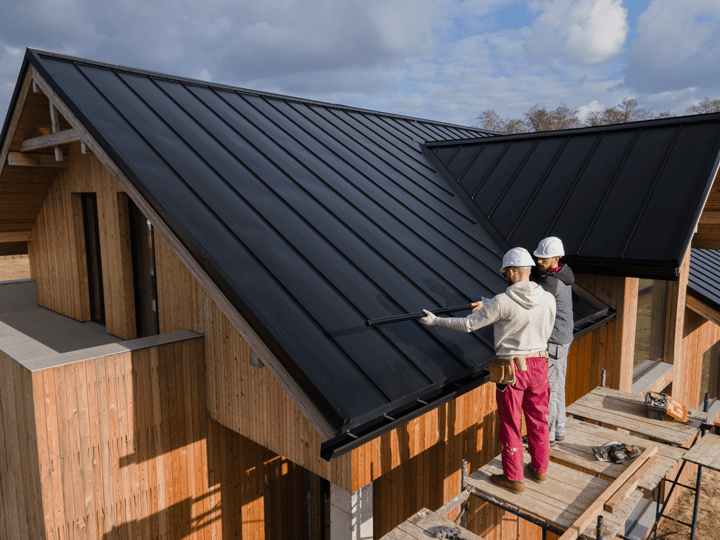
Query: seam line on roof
x,y
514,177
577,180
385,135
415,129
652,189
472,162
400,133
416,162
609,190
540,186
382,173
487,175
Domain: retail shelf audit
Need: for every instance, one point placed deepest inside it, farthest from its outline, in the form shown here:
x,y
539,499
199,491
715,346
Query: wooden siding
x,y
430,475
610,347
121,447
21,508
57,252
246,399
708,230
699,336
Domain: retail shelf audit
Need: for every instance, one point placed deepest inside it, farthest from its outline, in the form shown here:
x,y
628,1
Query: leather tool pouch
x,y
521,363
502,371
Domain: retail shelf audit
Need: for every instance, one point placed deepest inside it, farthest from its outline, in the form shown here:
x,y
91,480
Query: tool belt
x,y
502,370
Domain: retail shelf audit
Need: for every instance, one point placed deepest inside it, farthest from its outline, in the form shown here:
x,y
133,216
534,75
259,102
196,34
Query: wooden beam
x,y
274,366
675,314
55,129
701,309
632,483
47,141
19,159
22,236
595,508
710,217
17,111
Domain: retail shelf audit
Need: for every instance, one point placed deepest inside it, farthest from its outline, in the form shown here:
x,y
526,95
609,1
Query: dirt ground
x,y
708,511
14,267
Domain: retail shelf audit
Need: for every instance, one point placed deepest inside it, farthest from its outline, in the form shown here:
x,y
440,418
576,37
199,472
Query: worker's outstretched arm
x,y
488,314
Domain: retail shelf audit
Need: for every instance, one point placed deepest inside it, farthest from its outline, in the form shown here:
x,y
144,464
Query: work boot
x,y
512,485
539,477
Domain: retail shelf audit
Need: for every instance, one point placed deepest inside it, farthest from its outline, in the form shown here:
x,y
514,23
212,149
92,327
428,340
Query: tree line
x,y
540,119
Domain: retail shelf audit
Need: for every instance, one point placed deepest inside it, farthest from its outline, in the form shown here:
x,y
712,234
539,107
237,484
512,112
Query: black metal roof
x,y
704,276
624,199
310,218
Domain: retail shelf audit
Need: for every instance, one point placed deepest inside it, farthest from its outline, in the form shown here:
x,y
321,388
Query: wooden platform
x,y
424,525
706,452
580,437
561,500
627,411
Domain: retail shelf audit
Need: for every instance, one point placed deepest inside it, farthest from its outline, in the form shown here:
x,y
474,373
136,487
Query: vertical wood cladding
x,y
699,335
57,252
610,347
21,507
121,447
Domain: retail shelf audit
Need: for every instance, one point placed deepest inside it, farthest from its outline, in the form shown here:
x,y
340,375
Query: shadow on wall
x,y
185,473
433,476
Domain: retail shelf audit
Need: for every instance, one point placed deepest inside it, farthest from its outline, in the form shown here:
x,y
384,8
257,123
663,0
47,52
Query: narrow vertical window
x,y
92,254
142,242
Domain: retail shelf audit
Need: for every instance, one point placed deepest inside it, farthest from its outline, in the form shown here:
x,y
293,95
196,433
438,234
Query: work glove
x,y
429,319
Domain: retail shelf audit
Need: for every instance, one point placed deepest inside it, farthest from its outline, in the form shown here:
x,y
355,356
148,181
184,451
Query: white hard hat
x,y
548,247
517,257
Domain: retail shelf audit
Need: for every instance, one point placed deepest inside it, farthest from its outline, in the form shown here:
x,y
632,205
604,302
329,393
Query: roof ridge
x,y
245,91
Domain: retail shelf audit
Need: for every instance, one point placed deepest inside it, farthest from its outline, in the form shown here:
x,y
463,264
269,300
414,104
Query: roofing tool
x,y
449,532
616,451
417,315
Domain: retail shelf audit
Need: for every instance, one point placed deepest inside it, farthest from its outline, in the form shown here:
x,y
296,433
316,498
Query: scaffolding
x,y
584,497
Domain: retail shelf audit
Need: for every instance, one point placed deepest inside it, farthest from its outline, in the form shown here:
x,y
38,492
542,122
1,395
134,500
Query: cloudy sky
x,y
440,59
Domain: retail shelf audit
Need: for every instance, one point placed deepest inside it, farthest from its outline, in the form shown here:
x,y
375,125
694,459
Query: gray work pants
x,y
557,369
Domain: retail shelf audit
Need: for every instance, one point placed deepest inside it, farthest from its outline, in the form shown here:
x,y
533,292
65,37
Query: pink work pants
x,y
530,394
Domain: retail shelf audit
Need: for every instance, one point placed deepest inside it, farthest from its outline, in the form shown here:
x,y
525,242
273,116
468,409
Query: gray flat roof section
x,y
624,199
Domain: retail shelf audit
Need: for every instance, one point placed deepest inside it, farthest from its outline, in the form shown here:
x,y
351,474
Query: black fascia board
x,y
323,406
687,119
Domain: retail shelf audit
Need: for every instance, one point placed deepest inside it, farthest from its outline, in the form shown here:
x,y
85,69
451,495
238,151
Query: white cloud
x,y
678,46
582,31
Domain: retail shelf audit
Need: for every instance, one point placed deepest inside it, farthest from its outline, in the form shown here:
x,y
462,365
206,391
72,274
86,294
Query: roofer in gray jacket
x,y
557,278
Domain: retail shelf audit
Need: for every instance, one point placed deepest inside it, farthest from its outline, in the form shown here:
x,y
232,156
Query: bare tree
x,y
627,110
492,121
707,105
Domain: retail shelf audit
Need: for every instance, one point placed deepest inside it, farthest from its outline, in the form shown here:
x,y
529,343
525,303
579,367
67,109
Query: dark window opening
x,y
92,254
142,245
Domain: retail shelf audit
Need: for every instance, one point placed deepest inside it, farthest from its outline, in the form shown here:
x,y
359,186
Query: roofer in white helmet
x,y
557,278
522,319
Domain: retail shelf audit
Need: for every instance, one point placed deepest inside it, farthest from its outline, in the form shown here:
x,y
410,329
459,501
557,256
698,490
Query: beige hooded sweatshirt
x,y
522,317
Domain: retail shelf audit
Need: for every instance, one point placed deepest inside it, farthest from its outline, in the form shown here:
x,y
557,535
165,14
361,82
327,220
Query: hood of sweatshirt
x,y
526,293
564,274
